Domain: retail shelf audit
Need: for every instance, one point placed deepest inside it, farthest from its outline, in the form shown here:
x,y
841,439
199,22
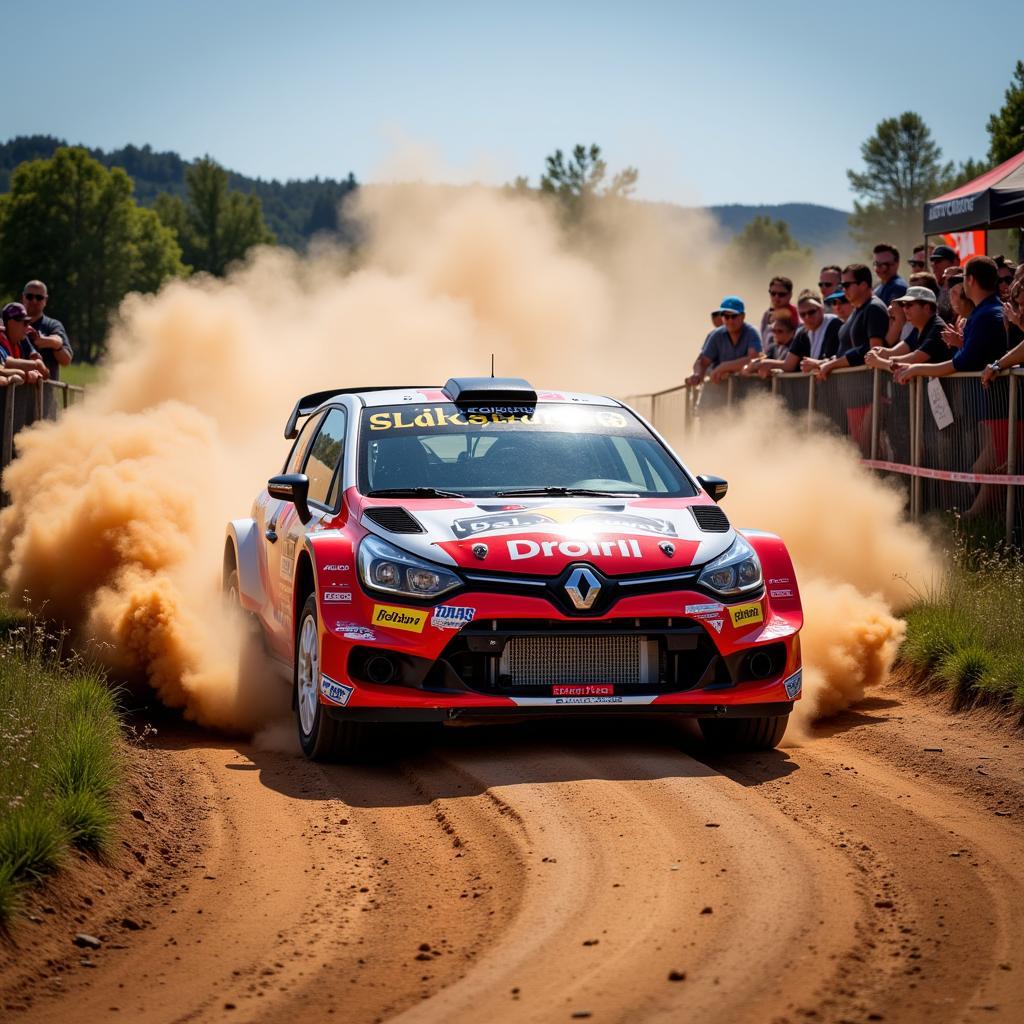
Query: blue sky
x,y
713,102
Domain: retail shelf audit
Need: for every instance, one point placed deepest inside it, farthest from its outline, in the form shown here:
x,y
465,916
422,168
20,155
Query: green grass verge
x,y
60,762
80,374
965,635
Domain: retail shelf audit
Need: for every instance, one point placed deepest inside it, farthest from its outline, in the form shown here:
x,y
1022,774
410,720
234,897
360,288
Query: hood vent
x,y
393,519
710,518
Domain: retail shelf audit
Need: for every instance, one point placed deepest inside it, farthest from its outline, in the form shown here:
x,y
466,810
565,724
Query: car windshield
x,y
440,450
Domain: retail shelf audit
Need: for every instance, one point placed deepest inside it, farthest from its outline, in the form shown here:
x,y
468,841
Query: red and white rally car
x,y
484,549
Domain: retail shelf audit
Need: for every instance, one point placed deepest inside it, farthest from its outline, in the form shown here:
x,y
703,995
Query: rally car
x,y
484,549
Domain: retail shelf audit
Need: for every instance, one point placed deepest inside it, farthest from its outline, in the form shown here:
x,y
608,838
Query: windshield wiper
x,y
412,492
562,492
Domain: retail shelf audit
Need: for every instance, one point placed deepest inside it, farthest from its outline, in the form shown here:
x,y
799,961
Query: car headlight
x,y
735,571
384,567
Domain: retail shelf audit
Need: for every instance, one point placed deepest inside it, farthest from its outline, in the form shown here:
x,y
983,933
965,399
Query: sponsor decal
x,y
582,691
410,620
588,700
353,631
746,614
794,684
781,593
337,568
287,567
437,416
334,691
604,519
345,596
715,624
952,207
779,579
451,616
777,626
700,610
522,549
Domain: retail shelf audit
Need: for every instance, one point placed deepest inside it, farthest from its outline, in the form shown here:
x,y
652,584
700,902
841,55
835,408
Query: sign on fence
x,y
941,411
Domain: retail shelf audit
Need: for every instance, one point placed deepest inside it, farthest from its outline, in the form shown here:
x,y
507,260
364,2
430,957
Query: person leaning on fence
x,y
984,333
46,334
867,326
840,305
728,348
780,294
1007,270
18,353
924,343
1013,312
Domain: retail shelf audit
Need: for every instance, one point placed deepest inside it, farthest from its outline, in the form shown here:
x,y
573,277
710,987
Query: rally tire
x,y
322,737
744,733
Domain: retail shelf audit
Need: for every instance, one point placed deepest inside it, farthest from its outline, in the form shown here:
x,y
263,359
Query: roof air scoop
x,y
487,390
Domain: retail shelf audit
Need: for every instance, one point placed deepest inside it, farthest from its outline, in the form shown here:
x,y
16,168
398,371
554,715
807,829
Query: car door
x,y
268,515
321,465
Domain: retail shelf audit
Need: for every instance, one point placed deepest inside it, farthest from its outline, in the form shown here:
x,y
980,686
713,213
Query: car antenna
x,y
492,366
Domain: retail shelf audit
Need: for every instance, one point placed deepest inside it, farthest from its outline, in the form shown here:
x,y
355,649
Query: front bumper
x,y
700,658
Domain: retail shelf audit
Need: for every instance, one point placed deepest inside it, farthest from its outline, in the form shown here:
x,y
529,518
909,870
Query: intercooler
x,y
573,660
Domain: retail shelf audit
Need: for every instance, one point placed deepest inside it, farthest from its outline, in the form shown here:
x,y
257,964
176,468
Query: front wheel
x,y
744,733
321,737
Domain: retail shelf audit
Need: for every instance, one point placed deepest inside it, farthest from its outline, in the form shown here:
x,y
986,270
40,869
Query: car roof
x,y
399,396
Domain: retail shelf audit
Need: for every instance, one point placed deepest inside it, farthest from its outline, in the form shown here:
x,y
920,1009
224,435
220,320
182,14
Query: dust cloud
x,y
858,561
118,510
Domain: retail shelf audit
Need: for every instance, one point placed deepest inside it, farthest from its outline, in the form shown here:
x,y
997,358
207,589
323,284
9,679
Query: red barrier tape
x,y
944,474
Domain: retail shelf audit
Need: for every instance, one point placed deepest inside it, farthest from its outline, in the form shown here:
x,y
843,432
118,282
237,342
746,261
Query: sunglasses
x,y
847,284
884,263
806,313
1004,279
32,297
917,263
777,295
729,316
826,286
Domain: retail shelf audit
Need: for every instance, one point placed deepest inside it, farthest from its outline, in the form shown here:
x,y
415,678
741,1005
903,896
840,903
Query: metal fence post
x,y
811,379
1011,459
7,444
876,414
728,391
918,427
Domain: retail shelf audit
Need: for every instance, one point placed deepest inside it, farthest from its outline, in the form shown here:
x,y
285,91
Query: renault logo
x,y
582,586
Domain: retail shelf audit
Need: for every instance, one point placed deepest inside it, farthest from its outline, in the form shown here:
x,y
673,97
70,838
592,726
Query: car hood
x,y
541,537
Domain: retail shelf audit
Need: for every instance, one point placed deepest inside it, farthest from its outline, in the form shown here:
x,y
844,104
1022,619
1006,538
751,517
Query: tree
x,y
767,246
74,224
1006,127
903,170
217,226
576,183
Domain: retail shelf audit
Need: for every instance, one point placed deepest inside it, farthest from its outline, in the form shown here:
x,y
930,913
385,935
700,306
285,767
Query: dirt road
x,y
874,872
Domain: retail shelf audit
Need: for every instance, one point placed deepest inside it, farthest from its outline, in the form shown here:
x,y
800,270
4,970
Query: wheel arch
x,y
241,552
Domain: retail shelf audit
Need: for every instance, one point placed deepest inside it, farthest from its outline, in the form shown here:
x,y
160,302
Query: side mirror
x,y
293,487
715,486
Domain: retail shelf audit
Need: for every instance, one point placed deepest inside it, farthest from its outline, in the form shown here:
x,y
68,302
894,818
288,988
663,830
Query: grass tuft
x,y
60,761
964,635
32,842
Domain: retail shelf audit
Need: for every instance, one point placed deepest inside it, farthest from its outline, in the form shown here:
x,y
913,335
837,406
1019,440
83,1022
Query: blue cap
x,y
836,296
731,304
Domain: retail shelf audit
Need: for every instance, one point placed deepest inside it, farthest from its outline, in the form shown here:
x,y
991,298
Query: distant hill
x,y
817,226
296,210
293,210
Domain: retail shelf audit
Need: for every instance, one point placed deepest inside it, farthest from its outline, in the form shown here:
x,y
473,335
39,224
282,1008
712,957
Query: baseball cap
x,y
14,311
836,296
918,293
731,304
944,252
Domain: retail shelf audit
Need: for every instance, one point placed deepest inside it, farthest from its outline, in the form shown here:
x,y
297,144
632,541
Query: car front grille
x,y
559,660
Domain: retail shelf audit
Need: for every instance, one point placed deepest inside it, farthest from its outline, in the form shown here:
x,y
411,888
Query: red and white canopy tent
x,y
992,201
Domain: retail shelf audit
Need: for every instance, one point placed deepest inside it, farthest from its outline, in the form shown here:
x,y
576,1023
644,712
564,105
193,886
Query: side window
x,y
301,446
324,457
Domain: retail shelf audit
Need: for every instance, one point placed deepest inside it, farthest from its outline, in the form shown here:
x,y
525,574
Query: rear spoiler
x,y
310,403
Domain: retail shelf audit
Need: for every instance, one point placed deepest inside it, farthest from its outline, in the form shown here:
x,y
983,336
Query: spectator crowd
x,y
33,346
946,319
